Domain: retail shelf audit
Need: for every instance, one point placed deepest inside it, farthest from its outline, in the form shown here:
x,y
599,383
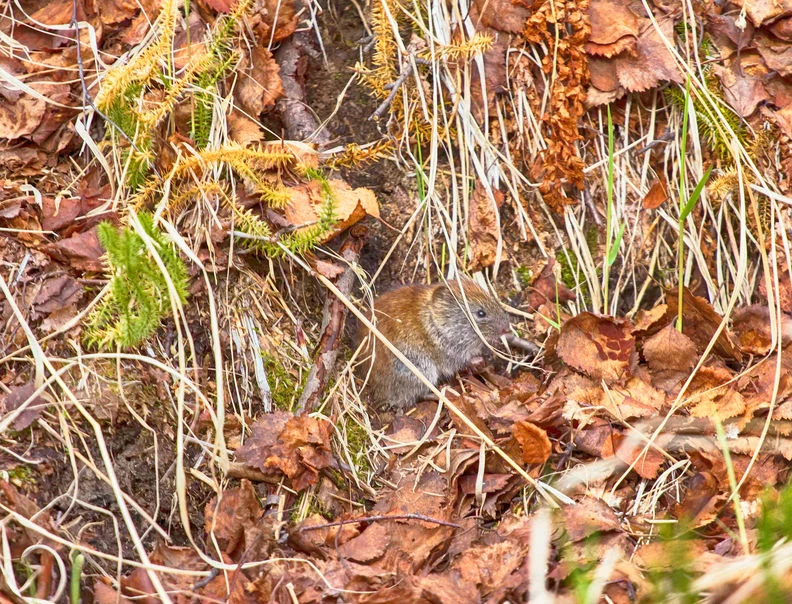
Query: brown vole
x,y
432,325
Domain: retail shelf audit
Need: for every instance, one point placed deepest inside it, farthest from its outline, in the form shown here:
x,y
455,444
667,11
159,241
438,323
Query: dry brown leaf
x,y
548,288
243,130
297,446
702,501
669,349
657,194
350,205
16,398
55,293
483,230
587,517
743,91
603,76
227,519
777,54
751,326
700,322
370,545
614,28
266,12
599,346
711,394
652,63
761,11
259,84
630,449
81,251
535,444
503,15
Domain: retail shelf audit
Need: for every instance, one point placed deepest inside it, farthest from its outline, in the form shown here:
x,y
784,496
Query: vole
x,y
433,326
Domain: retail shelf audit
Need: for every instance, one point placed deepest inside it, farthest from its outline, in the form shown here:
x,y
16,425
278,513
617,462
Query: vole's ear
x,y
442,295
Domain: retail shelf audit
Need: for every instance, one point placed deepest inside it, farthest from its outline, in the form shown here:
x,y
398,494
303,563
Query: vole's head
x,y
460,305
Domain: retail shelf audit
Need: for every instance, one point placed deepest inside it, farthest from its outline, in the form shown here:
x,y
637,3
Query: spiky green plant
x,y
263,240
139,296
706,122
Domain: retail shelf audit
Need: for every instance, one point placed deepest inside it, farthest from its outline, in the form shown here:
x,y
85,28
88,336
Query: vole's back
x,y
428,324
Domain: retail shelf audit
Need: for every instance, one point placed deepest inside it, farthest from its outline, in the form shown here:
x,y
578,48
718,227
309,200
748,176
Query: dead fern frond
x,y
476,45
354,155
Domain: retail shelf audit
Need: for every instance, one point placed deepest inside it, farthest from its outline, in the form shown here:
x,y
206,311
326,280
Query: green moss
x,y
525,275
357,440
20,475
571,275
283,385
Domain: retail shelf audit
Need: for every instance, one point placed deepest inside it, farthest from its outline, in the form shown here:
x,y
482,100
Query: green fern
x,y
139,297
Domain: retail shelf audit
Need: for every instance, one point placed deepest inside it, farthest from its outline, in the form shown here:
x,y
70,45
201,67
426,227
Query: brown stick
x,y
298,120
332,325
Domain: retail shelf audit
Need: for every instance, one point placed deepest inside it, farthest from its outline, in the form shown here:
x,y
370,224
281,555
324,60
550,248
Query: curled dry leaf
x,y
483,231
350,205
752,325
741,89
652,63
601,347
535,444
82,251
227,519
55,293
273,20
761,11
614,28
548,288
670,349
297,446
700,323
503,15
587,517
657,194
259,84
714,394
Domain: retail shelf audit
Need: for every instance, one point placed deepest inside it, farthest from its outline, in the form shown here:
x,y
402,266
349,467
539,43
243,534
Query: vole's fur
x,y
431,325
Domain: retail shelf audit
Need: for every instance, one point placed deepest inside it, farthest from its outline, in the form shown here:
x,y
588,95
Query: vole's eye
x,y
480,313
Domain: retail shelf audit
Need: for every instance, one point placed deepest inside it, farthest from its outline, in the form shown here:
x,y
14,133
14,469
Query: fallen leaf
x,y
503,15
298,446
548,288
81,251
700,322
482,228
652,63
227,519
743,91
535,444
56,293
599,346
587,517
761,11
258,82
670,349
657,194
17,397
614,28
350,205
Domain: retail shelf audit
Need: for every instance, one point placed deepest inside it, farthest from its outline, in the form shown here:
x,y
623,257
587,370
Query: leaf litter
x,y
625,409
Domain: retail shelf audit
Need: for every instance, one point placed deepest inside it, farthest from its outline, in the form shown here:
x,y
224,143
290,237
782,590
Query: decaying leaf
x,y
601,347
349,205
483,229
297,446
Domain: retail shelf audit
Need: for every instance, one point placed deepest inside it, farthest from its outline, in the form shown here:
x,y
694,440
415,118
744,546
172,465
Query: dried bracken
x,y
562,28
